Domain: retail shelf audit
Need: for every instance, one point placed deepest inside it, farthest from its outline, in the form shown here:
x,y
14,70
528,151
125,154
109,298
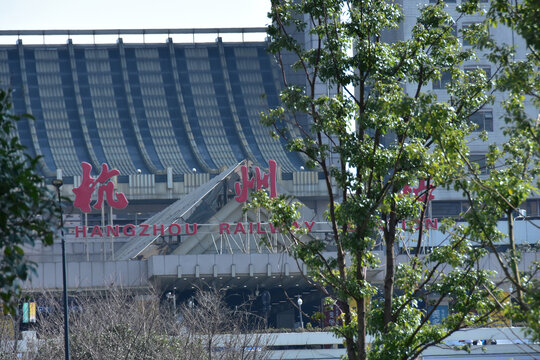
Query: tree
x,y
28,208
516,162
9,335
121,323
113,324
388,133
225,334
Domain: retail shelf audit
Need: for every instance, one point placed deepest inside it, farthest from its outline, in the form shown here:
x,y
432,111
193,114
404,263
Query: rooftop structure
x,y
145,108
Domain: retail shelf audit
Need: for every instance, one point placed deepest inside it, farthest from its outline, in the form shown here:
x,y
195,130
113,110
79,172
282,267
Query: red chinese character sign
x,y
84,192
421,191
257,182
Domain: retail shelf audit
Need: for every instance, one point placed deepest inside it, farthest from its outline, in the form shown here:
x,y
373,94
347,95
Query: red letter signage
x,y
267,180
421,191
84,192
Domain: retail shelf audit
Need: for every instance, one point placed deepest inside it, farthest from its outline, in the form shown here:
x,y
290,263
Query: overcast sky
x,y
114,14
131,14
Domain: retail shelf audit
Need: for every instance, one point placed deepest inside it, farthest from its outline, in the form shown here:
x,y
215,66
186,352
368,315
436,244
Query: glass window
x,y
481,161
533,207
453,30
446,77
483,120
445,208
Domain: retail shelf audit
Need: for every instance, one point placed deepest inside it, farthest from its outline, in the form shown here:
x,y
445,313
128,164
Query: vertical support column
x,y
101,241
86,245
248,239
112,237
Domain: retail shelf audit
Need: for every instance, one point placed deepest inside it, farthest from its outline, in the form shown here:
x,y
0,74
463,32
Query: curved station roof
x,y
143,108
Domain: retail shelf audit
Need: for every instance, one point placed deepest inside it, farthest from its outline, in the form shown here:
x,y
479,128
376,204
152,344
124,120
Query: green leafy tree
x,y
387,131
515,163
28,208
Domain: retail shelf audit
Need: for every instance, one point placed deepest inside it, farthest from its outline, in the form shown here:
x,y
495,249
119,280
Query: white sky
x,y
131,14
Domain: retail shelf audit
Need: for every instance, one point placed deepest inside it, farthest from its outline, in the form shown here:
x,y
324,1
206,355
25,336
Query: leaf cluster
x,y
28,208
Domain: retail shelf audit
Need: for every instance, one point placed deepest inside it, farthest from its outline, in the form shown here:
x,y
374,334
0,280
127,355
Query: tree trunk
x,y
362,319
390,237
513,256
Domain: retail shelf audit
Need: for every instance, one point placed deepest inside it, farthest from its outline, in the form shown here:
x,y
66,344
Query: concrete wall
x,y
89,275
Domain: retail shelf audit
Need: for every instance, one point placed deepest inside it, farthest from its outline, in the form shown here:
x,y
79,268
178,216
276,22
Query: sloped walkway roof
x,y
199,205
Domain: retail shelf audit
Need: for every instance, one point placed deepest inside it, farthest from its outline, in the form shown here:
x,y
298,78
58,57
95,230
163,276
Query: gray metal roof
x,y
145,108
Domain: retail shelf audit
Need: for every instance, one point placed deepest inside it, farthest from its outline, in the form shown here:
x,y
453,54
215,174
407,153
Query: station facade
x,y
179,123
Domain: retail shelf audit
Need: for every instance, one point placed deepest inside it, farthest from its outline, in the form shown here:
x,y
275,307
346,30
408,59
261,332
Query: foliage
x,y
515,163
521,16
9,333
27,207
387,132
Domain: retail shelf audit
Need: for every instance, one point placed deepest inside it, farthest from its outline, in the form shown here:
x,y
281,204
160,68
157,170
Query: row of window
x,y
455,208
483,119
446,77
454,31
455,1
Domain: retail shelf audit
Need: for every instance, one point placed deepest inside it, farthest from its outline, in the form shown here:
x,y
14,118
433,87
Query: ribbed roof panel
x,y
194,107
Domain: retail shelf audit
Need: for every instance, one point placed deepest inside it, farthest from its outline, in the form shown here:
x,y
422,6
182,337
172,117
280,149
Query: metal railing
x,y
96,34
